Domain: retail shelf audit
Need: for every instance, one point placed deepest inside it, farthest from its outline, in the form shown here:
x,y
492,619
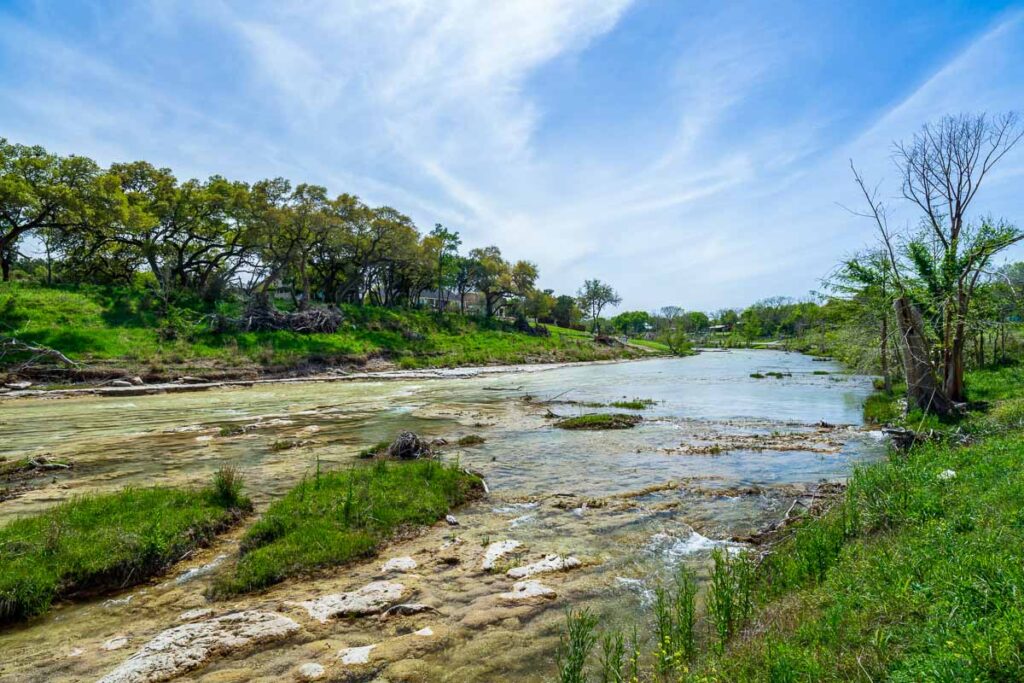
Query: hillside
x,y
117,331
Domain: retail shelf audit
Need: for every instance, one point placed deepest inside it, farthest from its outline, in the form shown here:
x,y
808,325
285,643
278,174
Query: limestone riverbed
x,y
572,518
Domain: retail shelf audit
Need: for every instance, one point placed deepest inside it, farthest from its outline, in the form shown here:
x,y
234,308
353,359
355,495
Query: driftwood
x,y
11,346
309,321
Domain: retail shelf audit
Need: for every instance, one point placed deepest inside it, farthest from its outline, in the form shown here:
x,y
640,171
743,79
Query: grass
x,y
634,404
117,326
342,516
97,543
597,421
471,440
883,407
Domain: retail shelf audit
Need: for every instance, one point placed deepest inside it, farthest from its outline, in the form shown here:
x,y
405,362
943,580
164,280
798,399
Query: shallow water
x,y
539,477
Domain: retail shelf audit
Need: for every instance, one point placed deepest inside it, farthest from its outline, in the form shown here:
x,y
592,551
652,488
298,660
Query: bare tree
x,y
942,169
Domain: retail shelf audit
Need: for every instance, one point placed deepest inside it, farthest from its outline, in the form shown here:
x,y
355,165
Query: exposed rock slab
x,y
526,592
551,563
495,551
370,599
186,647
398,565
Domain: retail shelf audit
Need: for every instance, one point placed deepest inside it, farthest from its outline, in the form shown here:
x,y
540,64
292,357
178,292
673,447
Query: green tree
x,y
593,297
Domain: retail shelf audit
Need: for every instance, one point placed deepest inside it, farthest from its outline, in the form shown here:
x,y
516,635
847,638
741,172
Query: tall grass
x,y
576,645
675,615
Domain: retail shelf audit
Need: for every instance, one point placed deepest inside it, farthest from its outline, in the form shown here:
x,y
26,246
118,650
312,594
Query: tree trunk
x,y
923,391
953,372
884,351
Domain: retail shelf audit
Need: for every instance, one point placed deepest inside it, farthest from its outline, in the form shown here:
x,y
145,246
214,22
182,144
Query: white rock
x,y
425,632
76,652
946,475
451,520
399,564
495,551
186,647
310,671
370,599
115,643
195,614
355,655
527,591
551,563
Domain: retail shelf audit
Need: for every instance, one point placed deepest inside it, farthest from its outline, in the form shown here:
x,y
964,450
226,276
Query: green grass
x,y
914,578
597,421
97,543
634,404
344,515
883,407
119,326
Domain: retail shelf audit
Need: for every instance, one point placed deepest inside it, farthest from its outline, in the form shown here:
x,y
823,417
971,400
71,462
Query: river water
x,y
720,455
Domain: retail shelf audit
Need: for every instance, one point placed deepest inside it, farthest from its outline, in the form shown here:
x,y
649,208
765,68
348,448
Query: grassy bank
x,y
340,516
97,543
119,328
915,574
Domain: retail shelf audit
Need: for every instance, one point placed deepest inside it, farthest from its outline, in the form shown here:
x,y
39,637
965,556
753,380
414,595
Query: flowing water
x,y
720,455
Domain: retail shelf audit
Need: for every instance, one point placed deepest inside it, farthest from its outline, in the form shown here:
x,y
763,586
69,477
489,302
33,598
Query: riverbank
x,y
114,335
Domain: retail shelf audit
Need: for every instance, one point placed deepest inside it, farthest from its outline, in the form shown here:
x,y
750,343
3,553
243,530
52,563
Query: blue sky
x,y
689,153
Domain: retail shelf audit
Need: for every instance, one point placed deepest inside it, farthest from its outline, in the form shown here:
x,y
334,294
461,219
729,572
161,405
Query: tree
x,y
867,282
444,244
937,269
942,169
497,279
540,303
38,191
593,297
632,322
565,312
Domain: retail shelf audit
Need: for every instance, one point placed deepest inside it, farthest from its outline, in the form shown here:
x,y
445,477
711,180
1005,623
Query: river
x,y
720,455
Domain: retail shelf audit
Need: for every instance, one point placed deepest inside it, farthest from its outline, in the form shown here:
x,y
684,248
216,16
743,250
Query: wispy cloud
x,y
718,186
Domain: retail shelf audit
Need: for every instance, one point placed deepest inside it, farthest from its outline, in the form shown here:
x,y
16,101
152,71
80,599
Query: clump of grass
x,y
104,542
471,440
576,645
344,515
757,375
821,372
377,449
597,421
634,404
882,407
285,444
232,430
613,657
731,597
675,616
226,489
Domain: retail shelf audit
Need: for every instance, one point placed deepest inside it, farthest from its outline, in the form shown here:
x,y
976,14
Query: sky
x,y
689,153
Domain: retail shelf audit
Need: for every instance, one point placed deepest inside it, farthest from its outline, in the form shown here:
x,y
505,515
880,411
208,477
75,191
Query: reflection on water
x,y
550,489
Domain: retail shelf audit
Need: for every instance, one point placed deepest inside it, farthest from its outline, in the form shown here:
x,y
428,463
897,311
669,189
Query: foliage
x,y
105,542
340,516
593,297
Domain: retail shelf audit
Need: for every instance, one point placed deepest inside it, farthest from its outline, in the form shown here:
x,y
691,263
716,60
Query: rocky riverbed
x,y
573,518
